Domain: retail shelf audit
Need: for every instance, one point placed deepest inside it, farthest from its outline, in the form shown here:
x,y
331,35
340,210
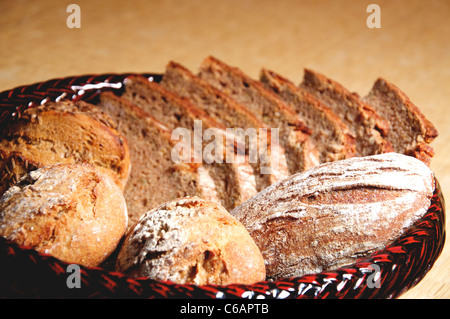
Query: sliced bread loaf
x,y
367,126
234,182
410,132
191,241
270,109
155,176
270,164
330,135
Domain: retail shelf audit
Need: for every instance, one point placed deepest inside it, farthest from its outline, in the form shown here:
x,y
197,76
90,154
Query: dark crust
x,y
269,108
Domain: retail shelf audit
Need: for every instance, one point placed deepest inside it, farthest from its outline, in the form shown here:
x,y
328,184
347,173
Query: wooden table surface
x,y
412,49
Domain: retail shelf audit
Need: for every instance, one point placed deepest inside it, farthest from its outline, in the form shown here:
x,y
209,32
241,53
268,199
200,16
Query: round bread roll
x,y
191,241
63,132
70,211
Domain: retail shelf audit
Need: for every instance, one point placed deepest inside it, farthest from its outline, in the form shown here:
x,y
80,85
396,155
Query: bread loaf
x,y
70,211
68,132
75,159
191,241
330,215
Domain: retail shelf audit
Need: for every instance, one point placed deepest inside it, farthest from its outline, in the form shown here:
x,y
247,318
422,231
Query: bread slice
x,y
235,181
155,176
367,126
330,135
301,153
410,132
68,132
272,164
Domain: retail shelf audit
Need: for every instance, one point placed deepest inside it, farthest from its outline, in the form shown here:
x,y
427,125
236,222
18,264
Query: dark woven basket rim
x,y
27,273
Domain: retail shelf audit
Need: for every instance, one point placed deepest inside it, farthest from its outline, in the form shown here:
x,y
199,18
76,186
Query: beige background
x,y
412,49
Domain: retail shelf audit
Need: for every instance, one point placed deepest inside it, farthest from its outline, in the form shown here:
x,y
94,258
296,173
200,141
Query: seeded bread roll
x,y
67,132
191,241
70,211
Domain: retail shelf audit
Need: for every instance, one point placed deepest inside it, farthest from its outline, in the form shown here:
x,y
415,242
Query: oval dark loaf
x,y
330,215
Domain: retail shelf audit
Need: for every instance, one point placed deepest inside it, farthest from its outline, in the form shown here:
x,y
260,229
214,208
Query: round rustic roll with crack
x,y
63,132
191,241
70,211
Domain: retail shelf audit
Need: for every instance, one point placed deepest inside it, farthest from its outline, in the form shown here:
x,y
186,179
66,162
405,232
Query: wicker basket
x,y
25,273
